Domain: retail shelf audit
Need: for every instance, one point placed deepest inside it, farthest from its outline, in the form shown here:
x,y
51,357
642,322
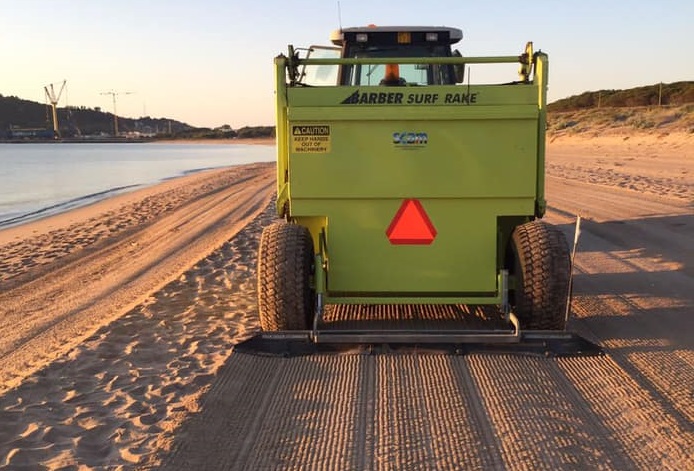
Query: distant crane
x,y
114,94
53,99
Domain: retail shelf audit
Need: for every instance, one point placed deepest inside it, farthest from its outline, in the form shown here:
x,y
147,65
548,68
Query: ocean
x,y
39,180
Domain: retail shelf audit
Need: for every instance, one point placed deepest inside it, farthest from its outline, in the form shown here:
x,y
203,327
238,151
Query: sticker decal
x,y
410,140
311,139
410,98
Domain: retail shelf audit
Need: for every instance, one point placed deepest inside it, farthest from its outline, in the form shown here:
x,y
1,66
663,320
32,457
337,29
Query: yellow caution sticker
x,y
311,138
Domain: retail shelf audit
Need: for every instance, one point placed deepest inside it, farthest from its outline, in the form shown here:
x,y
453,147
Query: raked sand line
x,y
117,398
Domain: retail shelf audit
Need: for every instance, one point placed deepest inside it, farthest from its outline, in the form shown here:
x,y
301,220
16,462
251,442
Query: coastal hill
x,y
19,116
661,109
16,113
673,94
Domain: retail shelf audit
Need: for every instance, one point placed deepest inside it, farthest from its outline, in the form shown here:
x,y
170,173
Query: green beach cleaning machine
x,y
401,183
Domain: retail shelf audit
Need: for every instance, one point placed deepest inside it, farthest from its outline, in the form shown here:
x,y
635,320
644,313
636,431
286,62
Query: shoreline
x,y
248,141
62,220
83,201
62,187
71,204
253,141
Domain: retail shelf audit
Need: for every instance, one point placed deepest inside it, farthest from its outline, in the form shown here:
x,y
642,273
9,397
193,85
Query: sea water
x,y
38,180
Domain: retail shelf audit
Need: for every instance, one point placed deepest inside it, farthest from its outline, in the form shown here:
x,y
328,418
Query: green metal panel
x,y
461,159
420,113
541,71
460,260
282,135
470,154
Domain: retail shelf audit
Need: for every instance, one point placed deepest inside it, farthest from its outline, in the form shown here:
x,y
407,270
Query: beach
x,y
118,321
42,179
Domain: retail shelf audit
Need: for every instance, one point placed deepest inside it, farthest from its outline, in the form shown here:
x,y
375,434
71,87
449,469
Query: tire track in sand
x,y
44,318
119,397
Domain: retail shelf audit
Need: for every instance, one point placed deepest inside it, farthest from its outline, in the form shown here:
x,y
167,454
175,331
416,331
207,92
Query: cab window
x,y
411,74
321,75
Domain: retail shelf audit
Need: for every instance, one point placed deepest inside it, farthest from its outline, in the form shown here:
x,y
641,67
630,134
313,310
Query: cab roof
x,y
340,36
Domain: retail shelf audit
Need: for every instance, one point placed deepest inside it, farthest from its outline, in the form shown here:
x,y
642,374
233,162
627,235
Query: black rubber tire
x,y
541,267
286,299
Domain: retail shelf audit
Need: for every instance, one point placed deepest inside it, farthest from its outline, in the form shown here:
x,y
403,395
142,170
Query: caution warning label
x,y
311,138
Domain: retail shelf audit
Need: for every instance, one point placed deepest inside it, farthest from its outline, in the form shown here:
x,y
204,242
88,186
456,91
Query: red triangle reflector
x,y
411,225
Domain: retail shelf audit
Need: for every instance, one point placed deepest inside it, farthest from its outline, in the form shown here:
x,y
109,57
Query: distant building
x,y
30,133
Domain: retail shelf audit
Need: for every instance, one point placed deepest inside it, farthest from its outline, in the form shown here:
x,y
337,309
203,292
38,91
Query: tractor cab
x,y
396,42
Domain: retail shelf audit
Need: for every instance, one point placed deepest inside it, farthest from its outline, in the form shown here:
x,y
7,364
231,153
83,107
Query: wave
x,y
64,206
191,171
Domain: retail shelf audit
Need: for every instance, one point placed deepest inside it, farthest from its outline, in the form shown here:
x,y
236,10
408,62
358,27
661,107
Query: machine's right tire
x,y
541,267
285,267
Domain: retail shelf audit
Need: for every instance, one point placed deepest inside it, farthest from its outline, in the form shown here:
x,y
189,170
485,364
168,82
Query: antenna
x,y
114,94
339,15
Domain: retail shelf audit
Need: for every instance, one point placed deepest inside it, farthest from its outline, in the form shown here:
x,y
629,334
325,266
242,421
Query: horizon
x,y
209,64
106,111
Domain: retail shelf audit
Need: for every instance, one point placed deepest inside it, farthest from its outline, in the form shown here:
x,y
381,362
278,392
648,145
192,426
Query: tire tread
x,y
542,276
285,258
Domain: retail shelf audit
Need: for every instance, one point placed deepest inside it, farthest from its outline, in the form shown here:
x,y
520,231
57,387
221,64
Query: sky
x,y
209,62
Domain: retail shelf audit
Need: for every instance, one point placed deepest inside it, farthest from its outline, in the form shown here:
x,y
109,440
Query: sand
x,y
117,320
66,276
657,164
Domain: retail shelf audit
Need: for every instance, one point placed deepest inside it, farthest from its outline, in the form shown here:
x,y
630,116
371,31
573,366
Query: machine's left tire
x,y
542,271
286,298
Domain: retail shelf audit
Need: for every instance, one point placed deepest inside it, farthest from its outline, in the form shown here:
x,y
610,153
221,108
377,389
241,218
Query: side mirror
x,y
459,68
